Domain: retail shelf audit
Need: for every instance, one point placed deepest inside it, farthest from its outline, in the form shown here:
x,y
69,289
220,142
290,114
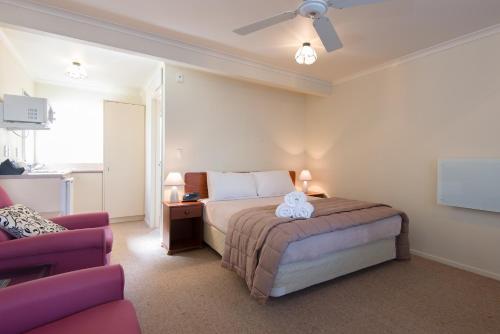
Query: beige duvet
x,y
256,239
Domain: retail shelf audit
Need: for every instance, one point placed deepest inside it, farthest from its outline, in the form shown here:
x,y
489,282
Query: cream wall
x,y
231,125
378,138
77,134
13,80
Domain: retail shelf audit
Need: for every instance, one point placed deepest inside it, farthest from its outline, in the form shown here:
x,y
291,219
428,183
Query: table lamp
x,y
305,176
174,180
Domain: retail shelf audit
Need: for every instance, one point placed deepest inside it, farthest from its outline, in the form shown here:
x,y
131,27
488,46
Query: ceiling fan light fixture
x,y
317,11
76,71
306,55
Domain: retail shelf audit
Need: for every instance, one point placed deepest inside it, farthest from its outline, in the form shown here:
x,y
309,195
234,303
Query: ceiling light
x,y
76,71
306,55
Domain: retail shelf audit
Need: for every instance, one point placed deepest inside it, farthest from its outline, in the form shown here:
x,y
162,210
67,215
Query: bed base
x,y
300,275
214,238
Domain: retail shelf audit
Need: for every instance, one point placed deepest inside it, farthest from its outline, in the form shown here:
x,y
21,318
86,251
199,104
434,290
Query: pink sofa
x,y
88,243
83,301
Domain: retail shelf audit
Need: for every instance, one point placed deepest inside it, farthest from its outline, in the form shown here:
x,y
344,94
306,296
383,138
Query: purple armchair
x,y
83,301
88,243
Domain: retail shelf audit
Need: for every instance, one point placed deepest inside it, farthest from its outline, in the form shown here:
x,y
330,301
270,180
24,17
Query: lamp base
x,y
174,195
305,187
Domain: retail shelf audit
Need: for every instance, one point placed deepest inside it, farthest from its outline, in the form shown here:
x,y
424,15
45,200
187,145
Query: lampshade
x,y
306,55
305,175
174,179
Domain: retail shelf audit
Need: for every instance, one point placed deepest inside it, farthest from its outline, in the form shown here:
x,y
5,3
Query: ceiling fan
x,y
315,10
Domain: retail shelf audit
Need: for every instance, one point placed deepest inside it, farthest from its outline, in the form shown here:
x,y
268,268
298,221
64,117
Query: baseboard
x,y
126,219
458,265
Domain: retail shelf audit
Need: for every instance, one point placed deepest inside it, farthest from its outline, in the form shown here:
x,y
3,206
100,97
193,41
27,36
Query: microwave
x,y
26,112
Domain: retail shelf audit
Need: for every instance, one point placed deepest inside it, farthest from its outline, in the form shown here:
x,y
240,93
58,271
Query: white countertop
x,y
49,174
86,171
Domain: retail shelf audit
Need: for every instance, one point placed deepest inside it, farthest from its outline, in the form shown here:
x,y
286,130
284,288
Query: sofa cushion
x,y
21,222
115,317
108,233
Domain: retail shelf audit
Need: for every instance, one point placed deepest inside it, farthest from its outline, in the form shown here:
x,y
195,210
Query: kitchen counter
x,y
50,193
87,171
58,190
61,174
44,175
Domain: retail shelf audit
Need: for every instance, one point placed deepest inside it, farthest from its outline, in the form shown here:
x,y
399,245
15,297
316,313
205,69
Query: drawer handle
x,y
187,212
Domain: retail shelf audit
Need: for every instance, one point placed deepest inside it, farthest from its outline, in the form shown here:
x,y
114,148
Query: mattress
x,y
218,213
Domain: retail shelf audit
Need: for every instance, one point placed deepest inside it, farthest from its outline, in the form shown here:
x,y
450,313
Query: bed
x,y
309,261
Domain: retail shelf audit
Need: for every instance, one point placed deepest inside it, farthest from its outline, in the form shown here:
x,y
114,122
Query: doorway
x,y
77,141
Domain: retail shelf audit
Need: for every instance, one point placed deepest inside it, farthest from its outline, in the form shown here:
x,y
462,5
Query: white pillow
x,y
227,186
273,183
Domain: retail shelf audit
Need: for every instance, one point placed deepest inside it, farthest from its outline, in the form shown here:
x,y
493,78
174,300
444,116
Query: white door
x,y
124,160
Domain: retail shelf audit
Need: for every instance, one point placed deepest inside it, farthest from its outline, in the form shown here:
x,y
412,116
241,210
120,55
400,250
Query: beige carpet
x,y
191,293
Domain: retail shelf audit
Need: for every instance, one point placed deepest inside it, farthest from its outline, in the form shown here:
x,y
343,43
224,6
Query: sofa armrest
x,y
84,220
53,243
32,304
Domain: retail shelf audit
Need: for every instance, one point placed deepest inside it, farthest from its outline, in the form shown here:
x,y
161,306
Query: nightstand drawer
x,y
185,212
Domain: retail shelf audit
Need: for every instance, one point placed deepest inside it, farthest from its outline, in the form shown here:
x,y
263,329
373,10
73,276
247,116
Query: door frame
x,y
158,149
155,131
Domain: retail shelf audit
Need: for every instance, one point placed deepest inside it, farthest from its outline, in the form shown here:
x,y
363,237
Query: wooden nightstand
x,y
182,226
317,194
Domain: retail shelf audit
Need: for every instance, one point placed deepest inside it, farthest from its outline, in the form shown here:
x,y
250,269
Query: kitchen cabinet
x,y
88,192
51,194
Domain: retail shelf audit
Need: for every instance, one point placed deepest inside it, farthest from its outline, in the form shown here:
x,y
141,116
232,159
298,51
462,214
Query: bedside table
x,y
182,226
317,194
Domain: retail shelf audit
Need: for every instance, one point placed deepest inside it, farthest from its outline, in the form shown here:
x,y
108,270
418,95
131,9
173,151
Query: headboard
x,y
197,182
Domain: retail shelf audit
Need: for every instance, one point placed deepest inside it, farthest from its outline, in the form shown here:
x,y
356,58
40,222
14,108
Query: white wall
x,y
231,125
14,79
76,136
378,138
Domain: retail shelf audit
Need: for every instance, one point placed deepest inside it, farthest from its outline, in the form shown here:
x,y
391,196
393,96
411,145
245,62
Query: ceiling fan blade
x,y
266,23
327,34
340,4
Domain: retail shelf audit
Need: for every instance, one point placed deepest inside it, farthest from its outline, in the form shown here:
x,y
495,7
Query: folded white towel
x,y
303,210
295,198
284,211
295,206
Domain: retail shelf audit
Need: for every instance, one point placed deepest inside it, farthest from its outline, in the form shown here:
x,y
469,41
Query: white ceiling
x,y
46,59
372,34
